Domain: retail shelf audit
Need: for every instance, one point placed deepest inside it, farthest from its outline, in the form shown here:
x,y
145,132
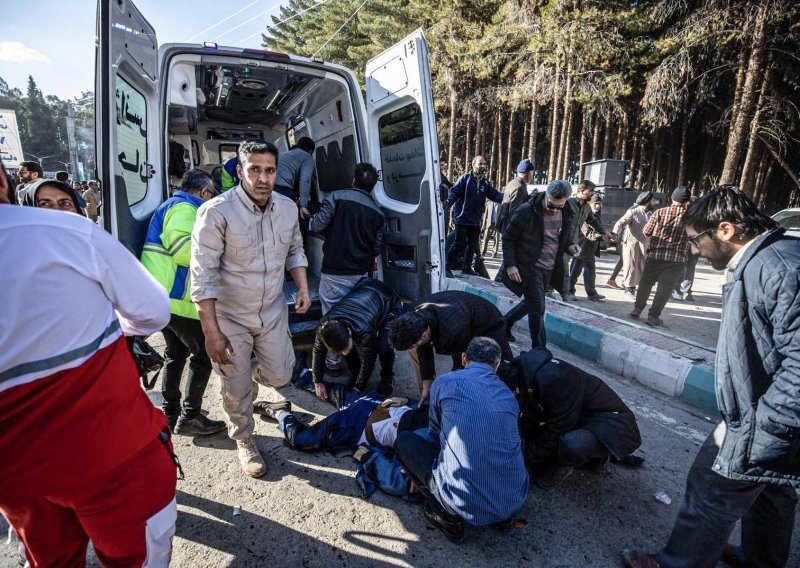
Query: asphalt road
x,y
308,511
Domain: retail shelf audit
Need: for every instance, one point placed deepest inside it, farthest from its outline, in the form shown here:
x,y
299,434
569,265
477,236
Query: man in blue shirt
x,y
471,469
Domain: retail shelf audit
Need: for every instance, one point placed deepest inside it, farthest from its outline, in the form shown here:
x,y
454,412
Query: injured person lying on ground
x,y
570,419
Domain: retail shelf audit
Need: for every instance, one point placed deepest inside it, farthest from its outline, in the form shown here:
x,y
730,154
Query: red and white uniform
x,y
80,455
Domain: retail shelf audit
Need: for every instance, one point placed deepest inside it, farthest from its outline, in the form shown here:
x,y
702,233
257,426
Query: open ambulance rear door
x,y
401,128
129,137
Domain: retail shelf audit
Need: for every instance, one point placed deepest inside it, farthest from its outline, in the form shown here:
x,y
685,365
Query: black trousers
x,y
185,340
532,305
663,272
618,267
711,507
417,455
465,247
386,358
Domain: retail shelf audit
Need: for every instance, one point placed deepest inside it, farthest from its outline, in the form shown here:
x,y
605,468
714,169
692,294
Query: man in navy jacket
x,y
467,200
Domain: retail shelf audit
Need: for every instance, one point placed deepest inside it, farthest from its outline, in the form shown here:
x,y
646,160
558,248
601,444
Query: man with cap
x,y
634,245
666,256
515,193
589,241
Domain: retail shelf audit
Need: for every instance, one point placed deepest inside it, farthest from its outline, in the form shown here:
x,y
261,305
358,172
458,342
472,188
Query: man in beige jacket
x,y
243,242
634,245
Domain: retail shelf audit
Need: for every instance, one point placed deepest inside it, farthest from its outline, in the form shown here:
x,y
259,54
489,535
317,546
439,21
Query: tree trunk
x,y
586,124
623,153
509,145
526,124
738,130
764,159
477,138
751,159
565,163
741,73
607,138
532,137
640,176
596,136
780,159
468,134
634,159
552,163
451,143
563,147
682,150
500,147
493,152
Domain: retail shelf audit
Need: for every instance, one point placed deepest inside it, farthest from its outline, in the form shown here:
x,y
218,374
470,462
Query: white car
x,y
789,219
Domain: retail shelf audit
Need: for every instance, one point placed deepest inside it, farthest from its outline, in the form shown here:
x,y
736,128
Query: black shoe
x,y
271,409
655,321
635,314
172,417
503,526
198,425
597,297
452,527
551,478
596,465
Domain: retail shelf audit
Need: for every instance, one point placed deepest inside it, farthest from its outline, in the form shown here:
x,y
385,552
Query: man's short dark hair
x,y
483,350
33,167
306,143
335,335
727,203
586,184
406,331
62,176
194,181
250,147
365,176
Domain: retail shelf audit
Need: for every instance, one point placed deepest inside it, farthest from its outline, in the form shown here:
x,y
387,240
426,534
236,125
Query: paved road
x,y
308,511
697,321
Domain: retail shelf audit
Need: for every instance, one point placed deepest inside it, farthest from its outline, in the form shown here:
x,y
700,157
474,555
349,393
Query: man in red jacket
x,y
84,454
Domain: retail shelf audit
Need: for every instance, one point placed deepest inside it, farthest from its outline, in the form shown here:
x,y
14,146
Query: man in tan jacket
x,y
92,197
634,246
243,242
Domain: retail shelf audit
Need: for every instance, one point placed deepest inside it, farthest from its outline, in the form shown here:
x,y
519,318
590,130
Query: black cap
x,y
645,197
681,194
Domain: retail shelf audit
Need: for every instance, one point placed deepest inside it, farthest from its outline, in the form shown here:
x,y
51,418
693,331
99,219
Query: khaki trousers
x,y
273,351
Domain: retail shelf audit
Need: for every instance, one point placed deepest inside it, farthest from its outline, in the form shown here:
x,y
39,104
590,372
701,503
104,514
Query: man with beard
x,y
749,467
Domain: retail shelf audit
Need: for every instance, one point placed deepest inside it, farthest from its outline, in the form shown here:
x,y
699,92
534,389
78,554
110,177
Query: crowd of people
x,y
211,278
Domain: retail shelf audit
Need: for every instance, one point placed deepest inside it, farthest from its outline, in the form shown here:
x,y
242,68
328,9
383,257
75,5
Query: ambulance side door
x,y
401,130
129,138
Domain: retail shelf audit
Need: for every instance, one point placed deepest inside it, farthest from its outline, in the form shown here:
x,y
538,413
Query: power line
x,y
353,15
264,13
222,21
293,16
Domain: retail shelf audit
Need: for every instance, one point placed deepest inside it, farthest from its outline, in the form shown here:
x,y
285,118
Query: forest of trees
x,y
43,125
690,92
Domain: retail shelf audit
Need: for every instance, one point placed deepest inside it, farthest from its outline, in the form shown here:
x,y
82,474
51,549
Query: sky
x,y
54,39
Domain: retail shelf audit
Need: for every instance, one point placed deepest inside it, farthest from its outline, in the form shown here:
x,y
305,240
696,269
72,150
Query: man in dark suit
x,y
445,322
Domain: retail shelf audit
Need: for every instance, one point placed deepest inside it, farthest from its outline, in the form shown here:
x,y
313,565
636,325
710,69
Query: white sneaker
x,y
250,458
677,296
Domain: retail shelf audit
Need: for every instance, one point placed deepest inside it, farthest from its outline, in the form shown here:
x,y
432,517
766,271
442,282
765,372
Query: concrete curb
x,y
657,368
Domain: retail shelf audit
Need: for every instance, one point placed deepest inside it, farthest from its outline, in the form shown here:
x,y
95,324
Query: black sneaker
x,y
655,321
597,297
271,409
553,477
452,527
503,526
635,314
198,425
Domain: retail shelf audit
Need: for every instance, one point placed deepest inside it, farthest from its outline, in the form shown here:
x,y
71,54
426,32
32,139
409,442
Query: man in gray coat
x,y
749,467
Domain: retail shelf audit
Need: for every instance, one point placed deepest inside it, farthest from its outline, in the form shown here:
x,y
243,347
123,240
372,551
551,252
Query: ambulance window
x,y
131,134
226,152
402,153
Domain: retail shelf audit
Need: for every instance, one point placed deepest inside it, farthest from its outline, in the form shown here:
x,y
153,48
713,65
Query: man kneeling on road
x,y
358,328
446,321
470,469
570,419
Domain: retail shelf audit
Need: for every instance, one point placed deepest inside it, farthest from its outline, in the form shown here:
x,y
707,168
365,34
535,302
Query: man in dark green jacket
x,y
749,467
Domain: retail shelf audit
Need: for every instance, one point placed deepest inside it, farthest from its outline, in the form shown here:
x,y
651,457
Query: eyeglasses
x,y
695,238
551,206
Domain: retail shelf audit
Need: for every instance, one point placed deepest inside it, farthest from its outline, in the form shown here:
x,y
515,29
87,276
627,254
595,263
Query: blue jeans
x,y
711,507
588,269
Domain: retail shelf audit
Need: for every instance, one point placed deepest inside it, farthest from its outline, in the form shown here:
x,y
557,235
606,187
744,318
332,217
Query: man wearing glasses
x,y
533,244
166,254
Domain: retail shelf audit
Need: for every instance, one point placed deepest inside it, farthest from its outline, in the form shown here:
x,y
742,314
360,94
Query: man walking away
x,y
666,255
465,428
468,200
749,467
585,262
92,197
84,453
166,254
634,244
581,212
28,172
296,174
243,242
533,243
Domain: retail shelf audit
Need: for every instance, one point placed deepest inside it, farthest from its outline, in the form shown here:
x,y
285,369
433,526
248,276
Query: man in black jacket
x,y
446,322
749,467
358,328
533,245
569,418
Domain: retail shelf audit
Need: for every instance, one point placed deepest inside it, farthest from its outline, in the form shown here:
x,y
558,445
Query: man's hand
x,y
610,236
513,274
395,401
219,348
302,302
426,391
574,250
321,391
304,213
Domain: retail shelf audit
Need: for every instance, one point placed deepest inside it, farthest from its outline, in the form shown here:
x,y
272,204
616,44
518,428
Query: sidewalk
x,y
676,367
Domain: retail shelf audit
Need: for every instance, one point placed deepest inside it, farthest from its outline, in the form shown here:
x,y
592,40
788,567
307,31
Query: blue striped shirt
x,y
480,471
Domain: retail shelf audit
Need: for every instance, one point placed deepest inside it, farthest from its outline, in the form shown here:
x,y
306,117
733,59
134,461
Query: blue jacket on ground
x,y
468,198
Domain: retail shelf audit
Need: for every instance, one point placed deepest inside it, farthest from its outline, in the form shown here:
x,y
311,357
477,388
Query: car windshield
x,y
791,221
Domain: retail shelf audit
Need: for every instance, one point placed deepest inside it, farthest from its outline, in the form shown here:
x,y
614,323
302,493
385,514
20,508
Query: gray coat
x,y
758,364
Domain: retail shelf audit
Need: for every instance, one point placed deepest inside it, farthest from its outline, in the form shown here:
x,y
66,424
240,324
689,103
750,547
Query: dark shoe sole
x,y
261,407
193,432
454,535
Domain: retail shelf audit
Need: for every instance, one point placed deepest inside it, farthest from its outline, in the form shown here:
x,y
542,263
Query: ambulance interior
x,y
214,103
